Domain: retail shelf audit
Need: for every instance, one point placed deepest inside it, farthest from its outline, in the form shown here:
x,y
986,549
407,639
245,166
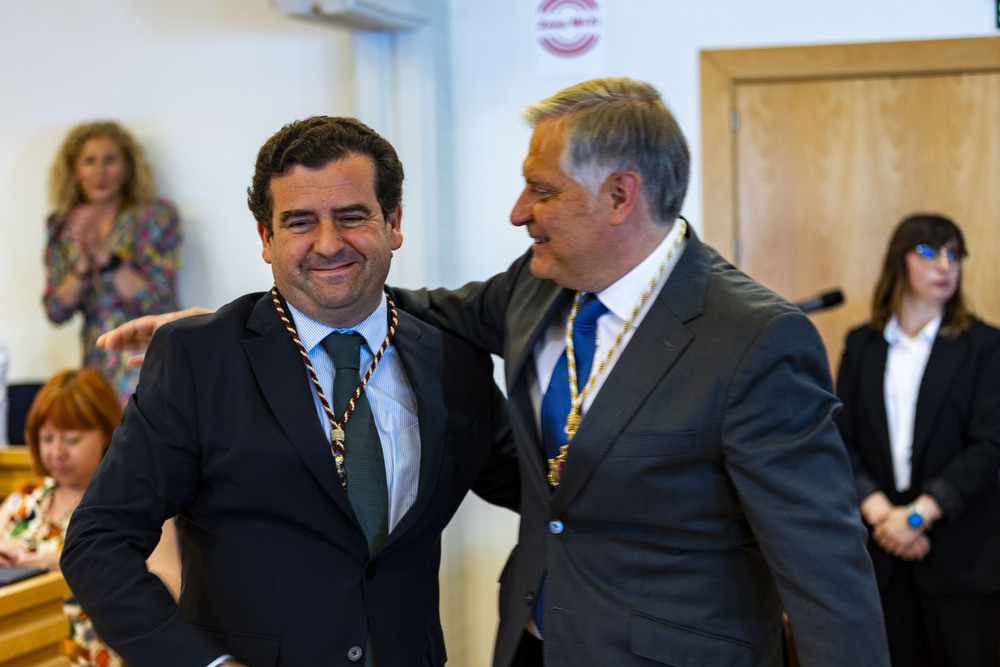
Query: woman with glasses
x,y
920,385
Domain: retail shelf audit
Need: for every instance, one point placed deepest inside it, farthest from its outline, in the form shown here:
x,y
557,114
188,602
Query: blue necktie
x,y
366,484
556,402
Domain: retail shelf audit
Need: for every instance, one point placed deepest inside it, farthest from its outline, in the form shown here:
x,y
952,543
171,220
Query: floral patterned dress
x,y
24,517
148,240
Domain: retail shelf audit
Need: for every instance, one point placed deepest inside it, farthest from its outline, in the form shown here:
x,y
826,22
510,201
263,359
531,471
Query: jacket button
x,y
529,598
370,570
555,527
355,653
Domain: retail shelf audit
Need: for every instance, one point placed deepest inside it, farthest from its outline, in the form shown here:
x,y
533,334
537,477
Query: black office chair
x,y
19,398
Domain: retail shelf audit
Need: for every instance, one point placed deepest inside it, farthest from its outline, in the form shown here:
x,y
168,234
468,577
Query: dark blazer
x,y
706,489
956,452
222,432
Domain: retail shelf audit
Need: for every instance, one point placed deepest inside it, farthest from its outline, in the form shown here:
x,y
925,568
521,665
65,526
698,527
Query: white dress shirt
x,y
620,298
904,371
393,403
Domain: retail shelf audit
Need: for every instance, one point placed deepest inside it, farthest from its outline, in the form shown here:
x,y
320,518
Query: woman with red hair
x,y
68,430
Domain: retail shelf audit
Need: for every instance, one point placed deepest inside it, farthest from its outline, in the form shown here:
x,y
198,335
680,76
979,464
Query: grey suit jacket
x,y
706,490
223,432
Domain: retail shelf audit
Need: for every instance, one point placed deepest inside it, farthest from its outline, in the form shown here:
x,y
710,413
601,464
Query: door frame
x,y
723,70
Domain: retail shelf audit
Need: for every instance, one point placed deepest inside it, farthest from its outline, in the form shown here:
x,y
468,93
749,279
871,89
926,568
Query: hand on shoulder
x,y
134,335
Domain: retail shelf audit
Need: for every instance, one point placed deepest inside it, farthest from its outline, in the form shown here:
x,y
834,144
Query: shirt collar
x,y
620,297
894,333
372,328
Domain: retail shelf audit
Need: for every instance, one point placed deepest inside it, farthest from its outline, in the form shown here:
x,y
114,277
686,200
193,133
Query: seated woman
x,y
68,430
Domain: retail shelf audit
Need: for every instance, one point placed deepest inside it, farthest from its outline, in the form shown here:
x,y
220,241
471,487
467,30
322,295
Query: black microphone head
x,y
832,298
825,300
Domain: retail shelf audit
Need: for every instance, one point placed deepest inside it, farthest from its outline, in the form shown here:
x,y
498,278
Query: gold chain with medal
x,y
577,397
337,426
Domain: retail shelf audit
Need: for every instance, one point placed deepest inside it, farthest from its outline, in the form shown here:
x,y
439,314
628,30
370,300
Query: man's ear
x,y
265,239
623,188
395,222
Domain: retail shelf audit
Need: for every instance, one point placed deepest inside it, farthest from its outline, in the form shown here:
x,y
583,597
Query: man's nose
x,y
329,239
521,213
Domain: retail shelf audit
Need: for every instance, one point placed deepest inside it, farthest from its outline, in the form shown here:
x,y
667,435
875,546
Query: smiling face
x,y
569,229
100,170
70,455
331,247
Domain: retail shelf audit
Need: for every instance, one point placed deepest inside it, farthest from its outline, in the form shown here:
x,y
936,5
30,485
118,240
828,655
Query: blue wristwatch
x,y
916,517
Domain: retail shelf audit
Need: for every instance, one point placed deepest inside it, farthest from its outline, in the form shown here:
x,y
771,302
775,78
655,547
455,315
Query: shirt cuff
x,y
221,660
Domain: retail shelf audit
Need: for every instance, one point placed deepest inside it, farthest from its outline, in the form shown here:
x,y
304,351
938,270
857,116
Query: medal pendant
x,y
572,423
338,460
555,471
556,466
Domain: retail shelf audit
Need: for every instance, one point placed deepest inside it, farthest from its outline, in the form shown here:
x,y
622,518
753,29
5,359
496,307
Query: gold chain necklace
x,y
337,426
577,397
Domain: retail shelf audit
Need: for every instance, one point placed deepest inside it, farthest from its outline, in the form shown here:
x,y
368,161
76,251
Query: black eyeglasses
x,y
927,251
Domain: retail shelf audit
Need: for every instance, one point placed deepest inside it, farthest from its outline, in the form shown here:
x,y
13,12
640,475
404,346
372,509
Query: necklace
x,y
337,426
578,396
59,513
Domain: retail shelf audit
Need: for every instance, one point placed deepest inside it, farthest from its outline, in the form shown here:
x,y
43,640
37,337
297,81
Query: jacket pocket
x,y
654,444
673,644
248,649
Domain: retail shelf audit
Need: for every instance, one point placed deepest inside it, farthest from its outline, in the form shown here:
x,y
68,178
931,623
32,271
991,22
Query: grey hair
x,y
619,124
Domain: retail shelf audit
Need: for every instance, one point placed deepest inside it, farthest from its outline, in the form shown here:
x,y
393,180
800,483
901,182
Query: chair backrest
x,y
19,398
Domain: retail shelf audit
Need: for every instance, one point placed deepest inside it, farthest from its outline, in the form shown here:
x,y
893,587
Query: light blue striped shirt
x,y
394,405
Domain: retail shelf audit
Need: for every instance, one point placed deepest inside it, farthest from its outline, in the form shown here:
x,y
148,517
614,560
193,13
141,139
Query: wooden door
x,y
822,164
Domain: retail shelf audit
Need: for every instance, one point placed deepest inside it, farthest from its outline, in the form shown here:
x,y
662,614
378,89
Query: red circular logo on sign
x,y
568,28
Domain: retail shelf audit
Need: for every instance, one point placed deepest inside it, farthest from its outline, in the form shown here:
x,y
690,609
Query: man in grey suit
x,y
700,486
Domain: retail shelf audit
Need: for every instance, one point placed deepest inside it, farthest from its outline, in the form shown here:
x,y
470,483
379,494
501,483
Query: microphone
x,y
825,300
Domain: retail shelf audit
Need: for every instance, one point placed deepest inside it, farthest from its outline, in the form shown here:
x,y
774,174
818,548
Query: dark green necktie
x,y
366,485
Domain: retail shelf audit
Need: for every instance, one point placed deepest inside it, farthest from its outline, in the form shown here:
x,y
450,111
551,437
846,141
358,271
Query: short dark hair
x,y
616,124
934,230
316,142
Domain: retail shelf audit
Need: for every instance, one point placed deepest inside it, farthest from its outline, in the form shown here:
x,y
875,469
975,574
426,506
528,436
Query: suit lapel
x,y
873,361
421,352
282,379
658,342
530,317
942,365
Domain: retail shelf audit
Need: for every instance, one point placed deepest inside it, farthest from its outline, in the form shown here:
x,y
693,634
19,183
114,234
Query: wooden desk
x,y
32,624
15,468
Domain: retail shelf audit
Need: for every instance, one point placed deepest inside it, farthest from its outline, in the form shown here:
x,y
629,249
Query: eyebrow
x,y
359,207
295,213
